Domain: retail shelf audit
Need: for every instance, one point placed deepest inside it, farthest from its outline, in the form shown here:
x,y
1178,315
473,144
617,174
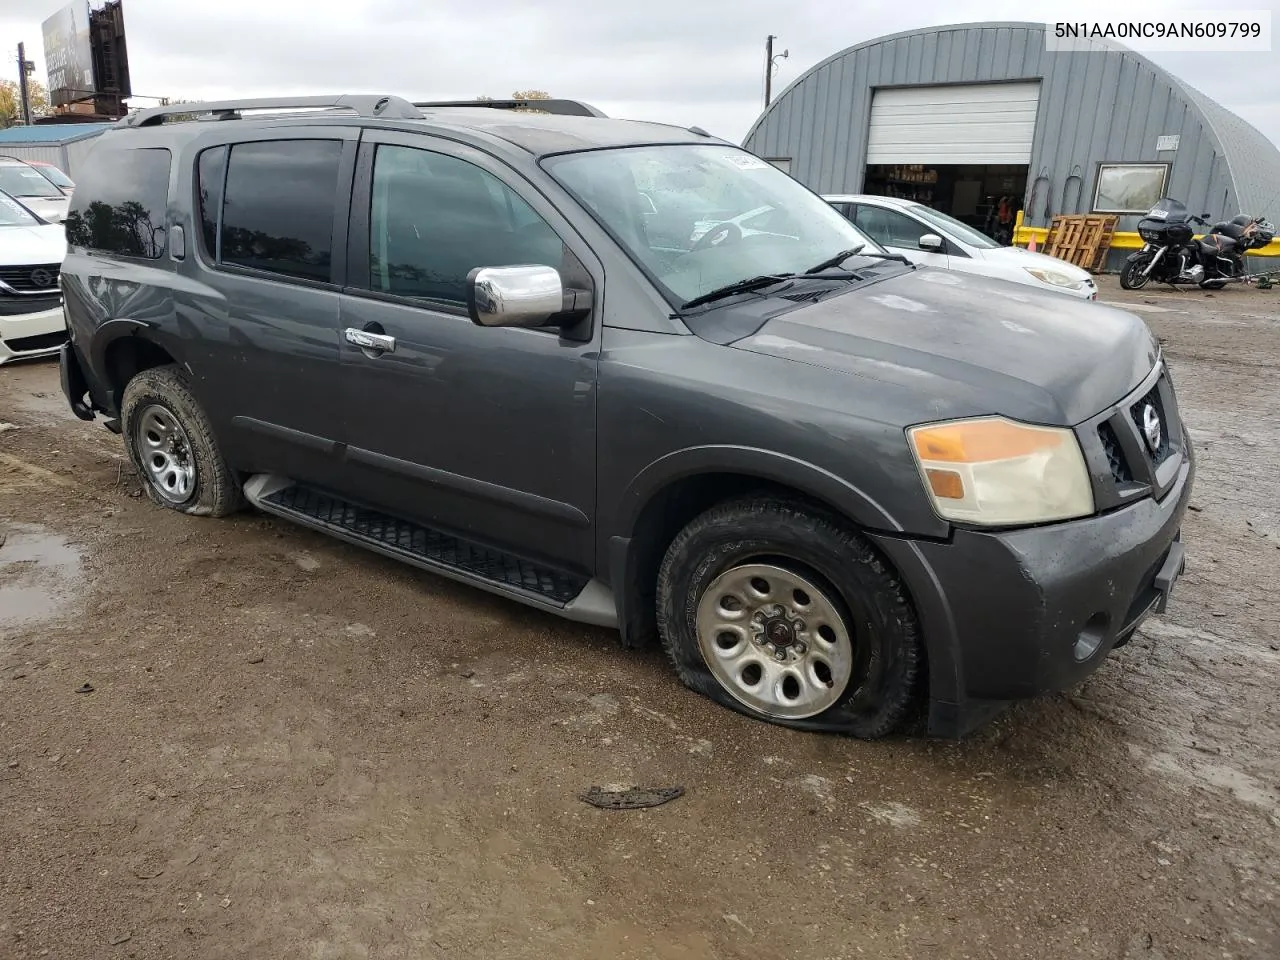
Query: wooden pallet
x,y
1082,240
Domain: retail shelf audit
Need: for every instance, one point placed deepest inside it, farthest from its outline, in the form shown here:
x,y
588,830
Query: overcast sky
x,y
671,60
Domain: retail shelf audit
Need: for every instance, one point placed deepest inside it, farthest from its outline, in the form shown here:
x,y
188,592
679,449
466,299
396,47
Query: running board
x,y
569,595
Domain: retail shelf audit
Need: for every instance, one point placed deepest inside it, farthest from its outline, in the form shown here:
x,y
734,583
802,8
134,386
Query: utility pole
x,y
25,68
769,63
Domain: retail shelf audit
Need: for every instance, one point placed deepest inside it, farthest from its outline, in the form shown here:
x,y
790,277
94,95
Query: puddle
x,y
40,575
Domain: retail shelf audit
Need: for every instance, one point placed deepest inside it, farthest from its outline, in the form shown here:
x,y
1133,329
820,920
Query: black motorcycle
x,y
1170,254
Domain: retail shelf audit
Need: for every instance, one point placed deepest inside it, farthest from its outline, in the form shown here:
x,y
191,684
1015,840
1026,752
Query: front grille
x,y
37,276
1138,411
41,341
1132,467
1120,471
12,305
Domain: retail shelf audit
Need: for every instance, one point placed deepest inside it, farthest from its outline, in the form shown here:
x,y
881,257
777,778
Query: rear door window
x,y
276,206
119,203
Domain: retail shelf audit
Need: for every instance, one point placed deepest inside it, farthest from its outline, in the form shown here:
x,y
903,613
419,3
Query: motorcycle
x,y
1171,254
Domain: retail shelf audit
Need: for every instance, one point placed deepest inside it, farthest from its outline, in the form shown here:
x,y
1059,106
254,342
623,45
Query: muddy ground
x,y
296,749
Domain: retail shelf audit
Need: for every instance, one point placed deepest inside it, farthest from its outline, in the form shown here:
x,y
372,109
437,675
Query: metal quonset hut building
x,y
961,116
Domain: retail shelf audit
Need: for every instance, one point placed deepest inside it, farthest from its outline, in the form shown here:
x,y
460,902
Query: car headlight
x,y
1054,278
995,472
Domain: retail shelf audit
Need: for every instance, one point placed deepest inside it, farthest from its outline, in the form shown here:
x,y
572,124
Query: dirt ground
x,y
293,748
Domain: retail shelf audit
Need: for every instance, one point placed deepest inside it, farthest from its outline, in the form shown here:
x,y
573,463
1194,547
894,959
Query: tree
x,y
523,95
11,101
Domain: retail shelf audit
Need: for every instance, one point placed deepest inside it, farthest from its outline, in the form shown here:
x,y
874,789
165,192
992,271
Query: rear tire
x,y
1131,276
173,448
781,612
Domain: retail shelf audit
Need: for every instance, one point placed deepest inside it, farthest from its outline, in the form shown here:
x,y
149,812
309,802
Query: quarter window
x,y
277,204
434,218
119,203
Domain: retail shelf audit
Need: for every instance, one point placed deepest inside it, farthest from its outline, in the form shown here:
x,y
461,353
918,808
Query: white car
x,y
33,189
925,236
32,323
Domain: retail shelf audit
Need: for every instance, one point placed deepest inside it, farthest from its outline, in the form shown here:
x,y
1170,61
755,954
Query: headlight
x,y
1054,278
996,472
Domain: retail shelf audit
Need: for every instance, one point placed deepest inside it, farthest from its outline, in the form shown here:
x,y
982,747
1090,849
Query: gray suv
x,y
550,355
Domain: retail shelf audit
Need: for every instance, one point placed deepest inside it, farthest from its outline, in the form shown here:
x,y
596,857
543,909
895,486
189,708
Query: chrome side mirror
x,y
931,242
523,296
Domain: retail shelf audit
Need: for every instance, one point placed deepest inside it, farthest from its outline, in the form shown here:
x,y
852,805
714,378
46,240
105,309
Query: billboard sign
x,y
68,54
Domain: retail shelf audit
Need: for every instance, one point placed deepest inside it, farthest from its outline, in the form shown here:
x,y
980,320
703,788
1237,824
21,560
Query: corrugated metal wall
x,y
1095,107
49,153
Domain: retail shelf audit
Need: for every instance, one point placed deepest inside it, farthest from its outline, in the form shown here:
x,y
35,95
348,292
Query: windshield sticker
x,y
744,161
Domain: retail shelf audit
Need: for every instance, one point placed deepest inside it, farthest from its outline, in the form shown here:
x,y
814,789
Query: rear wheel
x,y
1132,276
172,446
781,612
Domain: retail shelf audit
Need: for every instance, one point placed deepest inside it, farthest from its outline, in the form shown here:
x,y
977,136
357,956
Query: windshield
x,y
20,180
957,228
698,217
1169,210
14,214
56,176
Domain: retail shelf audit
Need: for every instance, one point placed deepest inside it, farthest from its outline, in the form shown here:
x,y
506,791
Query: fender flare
x,y
945,679
854,503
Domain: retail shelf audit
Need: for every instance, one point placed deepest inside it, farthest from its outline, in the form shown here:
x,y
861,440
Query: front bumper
x,y
1014,614
32,334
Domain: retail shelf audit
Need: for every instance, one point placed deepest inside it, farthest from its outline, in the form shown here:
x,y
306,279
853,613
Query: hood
x,y
51,208
1021,257
969,346
23,246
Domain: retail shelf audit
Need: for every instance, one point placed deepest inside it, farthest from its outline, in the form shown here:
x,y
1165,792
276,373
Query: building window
x,y
1129,187
782,163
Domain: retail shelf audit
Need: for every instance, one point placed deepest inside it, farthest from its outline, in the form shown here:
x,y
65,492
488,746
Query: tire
x,y
1212,284
1131,277
173,448
855,664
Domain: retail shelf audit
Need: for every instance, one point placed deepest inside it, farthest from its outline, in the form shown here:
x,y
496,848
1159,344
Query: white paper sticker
x,y
745,161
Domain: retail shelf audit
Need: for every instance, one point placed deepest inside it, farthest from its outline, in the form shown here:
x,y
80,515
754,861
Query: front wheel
x,y
781,612
1133,277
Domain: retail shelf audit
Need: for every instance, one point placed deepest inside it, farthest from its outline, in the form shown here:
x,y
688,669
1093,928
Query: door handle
x,y
370,341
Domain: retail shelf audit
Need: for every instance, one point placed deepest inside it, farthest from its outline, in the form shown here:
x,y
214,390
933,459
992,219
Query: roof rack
x,y
564,108
363,105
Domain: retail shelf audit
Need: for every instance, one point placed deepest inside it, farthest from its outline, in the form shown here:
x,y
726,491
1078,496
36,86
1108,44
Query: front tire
x,y
1132,276
780,612
173,447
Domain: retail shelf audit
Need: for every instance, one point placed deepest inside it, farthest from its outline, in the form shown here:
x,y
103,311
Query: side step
x,y
570,595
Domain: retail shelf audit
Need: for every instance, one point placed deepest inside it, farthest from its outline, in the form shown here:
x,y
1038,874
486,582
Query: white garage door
x,y
957,123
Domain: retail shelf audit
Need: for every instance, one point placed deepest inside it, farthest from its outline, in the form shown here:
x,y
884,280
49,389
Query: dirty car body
x,y
828,494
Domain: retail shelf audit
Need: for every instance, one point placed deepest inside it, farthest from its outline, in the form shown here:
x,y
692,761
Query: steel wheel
x,y
774,640
165,451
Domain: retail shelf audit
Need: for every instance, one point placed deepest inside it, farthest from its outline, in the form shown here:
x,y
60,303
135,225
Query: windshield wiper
x,y
838,259
739,286
889,256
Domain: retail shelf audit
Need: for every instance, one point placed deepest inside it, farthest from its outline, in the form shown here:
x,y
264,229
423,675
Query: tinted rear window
x,y
278,206
119,203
